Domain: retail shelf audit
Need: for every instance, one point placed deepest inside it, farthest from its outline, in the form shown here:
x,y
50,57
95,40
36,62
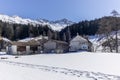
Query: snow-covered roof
x,y
5,39
33,38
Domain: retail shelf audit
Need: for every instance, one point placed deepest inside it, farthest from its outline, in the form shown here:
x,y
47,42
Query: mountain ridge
x,y
57,25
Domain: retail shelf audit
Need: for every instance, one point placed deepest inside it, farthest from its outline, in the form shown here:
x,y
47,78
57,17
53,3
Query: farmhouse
x,y
55,46
79,43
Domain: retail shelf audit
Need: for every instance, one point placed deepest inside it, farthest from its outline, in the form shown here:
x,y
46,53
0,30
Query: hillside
x,y
93,27
16,28
99,40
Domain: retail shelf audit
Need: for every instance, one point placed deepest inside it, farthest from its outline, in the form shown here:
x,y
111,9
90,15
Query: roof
x,y
42,40
57,41
4,39
33,42
34,38
30,43
78,38
19,43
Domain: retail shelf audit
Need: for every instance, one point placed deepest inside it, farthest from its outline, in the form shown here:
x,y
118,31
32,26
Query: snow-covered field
x,y
70,66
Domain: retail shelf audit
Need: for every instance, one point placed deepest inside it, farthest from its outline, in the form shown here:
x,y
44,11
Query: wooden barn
x,y
22,48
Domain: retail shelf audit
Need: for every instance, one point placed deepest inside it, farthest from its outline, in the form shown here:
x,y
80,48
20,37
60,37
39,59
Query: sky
x,y
75,10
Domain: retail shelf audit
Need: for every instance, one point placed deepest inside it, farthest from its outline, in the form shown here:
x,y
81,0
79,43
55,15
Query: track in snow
x,y
66,71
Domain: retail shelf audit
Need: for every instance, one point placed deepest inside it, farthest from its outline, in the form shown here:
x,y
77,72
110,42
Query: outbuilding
x,y
55,46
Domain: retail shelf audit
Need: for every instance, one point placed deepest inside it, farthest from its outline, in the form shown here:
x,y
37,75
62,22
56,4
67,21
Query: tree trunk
x,y
109,42
116,41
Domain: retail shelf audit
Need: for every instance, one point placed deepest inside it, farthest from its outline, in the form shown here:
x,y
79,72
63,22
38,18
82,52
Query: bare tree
x,y
116,26
105,28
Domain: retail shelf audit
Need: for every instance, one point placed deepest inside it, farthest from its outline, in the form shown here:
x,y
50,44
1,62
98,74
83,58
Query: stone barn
x,y
55,46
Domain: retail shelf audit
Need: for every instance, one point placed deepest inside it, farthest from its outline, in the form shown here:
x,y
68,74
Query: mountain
x,y
57,25
63,22
54,25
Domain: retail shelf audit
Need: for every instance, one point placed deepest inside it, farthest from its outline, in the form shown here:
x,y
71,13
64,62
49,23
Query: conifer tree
x,y
69,34
49,35
64,37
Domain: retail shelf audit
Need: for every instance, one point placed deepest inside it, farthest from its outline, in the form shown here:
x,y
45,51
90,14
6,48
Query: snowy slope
x,y
58,24
97,40
55,25
73,66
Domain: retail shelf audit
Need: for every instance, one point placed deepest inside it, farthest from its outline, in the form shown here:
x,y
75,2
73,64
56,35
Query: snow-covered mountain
x,y
63,22
55,25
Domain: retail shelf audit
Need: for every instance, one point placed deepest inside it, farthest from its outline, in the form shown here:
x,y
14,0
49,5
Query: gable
x,y
79,39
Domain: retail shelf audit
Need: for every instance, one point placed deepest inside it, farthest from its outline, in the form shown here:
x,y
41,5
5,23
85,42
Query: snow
x,y
17,20
33,38
98,40
26,40
5,39
95,39
21,73
70,66
56,25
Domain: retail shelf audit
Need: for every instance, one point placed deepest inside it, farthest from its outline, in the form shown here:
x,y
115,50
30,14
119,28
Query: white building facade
x,y
79,43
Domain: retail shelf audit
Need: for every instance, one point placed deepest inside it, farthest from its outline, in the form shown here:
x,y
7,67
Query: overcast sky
x,y
75,10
